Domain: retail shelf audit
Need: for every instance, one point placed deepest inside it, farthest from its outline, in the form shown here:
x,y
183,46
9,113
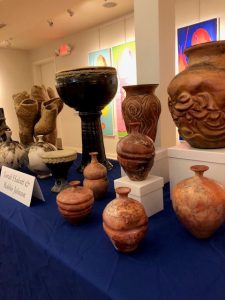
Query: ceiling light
x,y
109,4
70,12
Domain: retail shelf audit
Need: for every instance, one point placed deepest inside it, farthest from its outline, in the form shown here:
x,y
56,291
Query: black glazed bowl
x,y
87,89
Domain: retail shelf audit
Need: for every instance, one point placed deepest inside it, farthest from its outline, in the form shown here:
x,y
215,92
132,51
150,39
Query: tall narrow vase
x,y
142,105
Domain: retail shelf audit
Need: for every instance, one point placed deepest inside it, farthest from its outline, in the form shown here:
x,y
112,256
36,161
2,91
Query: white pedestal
x,y
149,192
160,167
183,156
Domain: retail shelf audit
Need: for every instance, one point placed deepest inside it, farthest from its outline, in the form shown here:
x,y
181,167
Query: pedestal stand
x,y
149,192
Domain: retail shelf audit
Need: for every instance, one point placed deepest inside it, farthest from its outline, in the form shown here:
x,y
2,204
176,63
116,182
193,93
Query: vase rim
x,y
217,46
141,85
85,70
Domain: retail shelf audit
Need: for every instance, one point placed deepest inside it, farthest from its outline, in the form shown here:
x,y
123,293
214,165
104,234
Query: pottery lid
x,y
67,154
75,195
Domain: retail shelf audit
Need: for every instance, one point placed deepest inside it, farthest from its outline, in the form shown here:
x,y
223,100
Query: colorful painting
x,y
198,33
103,58
124,60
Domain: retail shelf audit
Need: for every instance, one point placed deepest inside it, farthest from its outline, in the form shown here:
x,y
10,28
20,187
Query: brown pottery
x,y
199,203
95,175
135,153
142,105
75,203
125,221
197,96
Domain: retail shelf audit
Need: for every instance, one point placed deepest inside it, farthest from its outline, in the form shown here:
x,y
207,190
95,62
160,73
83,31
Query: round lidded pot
x,y
75,203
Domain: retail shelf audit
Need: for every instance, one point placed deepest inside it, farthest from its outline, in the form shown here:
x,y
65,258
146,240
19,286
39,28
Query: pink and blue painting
x,y
198,33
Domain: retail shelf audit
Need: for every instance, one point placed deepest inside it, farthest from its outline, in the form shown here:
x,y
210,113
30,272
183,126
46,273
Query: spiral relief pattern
x,y
143,108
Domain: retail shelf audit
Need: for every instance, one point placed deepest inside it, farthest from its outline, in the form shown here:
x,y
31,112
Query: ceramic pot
x,y
142,105
136,153
12,154
95,175
89,90
35,162
59,163
75,203
196,96
3,126
125,221
199,203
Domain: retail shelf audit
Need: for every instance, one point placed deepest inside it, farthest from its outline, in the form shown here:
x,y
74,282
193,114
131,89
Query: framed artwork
x,y
198,33
124,60
103,58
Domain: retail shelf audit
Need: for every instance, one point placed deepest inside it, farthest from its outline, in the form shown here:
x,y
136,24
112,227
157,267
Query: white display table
x,y
149,192
183,156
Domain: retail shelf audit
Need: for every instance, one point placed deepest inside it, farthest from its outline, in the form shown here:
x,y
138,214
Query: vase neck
x,y
134,127
94,157
8,135
40,138
199,169
123,192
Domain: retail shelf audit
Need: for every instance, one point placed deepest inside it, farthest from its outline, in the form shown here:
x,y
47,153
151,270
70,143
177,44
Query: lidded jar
x,y
12,153
95,175
75,203
125,221
35,161
199,203
135,153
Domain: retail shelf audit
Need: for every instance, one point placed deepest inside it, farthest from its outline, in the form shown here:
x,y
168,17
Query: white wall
x,y
15,76
104,36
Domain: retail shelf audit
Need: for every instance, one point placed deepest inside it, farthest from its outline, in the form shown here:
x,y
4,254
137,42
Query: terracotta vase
x,y
75,203
196,96
199,203
125,221
12,154
95,175
136,153
35,161
142,105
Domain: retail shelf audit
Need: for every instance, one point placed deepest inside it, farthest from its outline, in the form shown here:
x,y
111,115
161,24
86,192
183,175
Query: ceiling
x,y
28,21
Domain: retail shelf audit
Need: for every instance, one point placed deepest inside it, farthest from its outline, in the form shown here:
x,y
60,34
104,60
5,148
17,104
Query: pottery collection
x,y
95,176
75,203
88,90
125,221
35,162
199,203
135,153
142,105
12,154
196,96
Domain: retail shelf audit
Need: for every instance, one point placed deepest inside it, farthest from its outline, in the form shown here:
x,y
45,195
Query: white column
x,y
155,50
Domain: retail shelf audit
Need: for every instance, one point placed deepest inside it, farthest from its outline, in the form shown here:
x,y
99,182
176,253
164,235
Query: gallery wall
x,y
15,76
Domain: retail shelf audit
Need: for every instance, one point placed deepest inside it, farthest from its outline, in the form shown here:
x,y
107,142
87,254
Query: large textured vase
x,y
125,221
142,105
89,90
199,203
197,96
135,153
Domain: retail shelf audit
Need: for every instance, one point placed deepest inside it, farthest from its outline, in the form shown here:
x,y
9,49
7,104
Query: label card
x,y
19,186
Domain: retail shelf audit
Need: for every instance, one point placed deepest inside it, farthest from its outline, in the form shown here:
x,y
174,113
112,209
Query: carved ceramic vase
x,y
136,153
142,105
125,221
75,203
95,176
12,153
59,163
199,203
196,96
35,161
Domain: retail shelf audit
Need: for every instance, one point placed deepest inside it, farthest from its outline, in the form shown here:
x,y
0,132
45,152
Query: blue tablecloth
x,y
43,257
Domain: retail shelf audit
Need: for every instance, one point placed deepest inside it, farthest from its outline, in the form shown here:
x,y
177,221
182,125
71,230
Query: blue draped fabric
x,y
42,257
